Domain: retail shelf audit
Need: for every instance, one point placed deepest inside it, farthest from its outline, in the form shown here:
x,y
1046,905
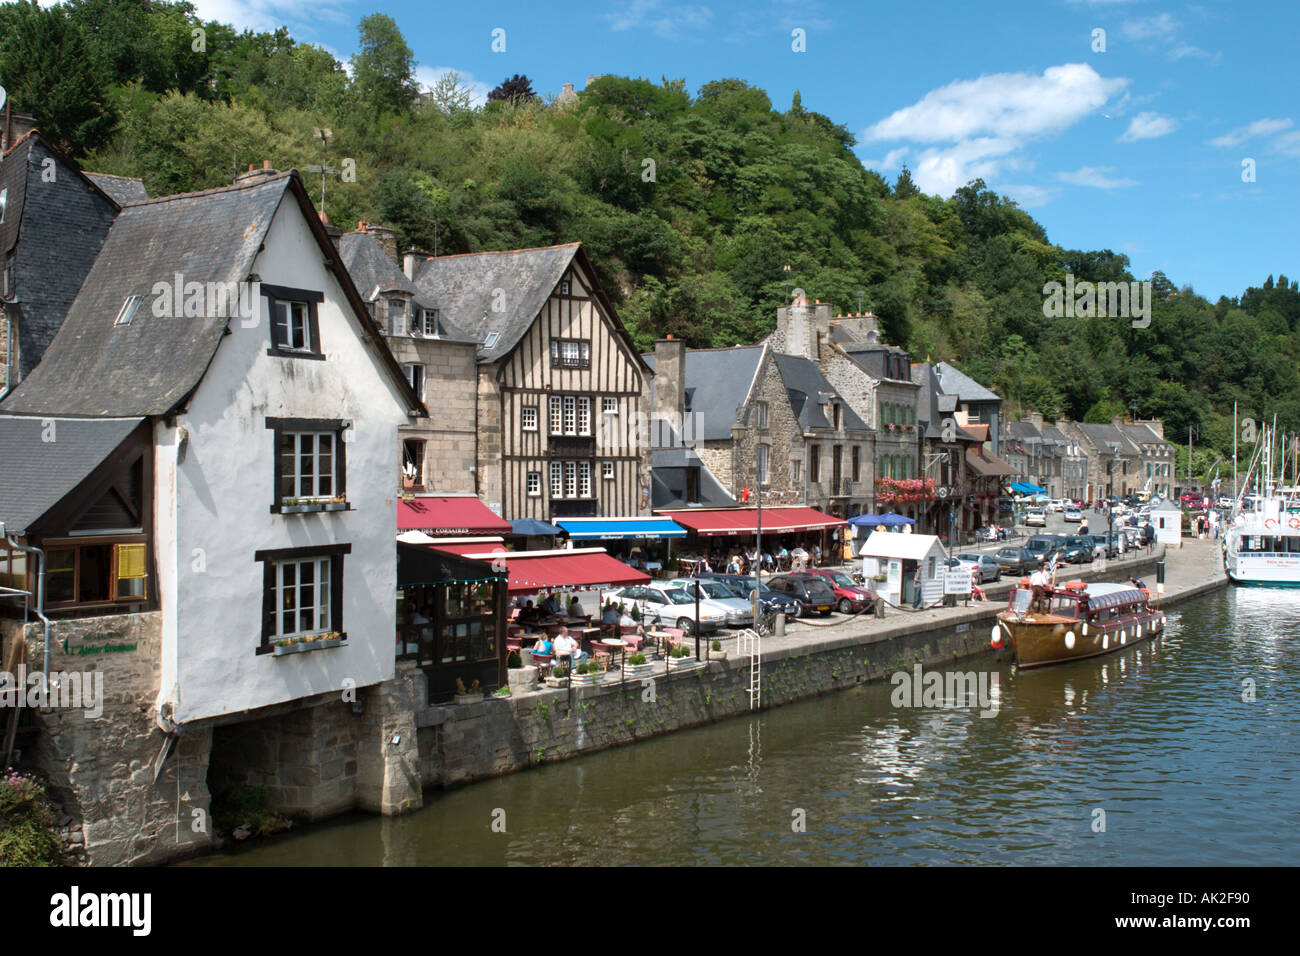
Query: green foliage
x,y
700,213
246,806
635,660
27,836
717,645
513,661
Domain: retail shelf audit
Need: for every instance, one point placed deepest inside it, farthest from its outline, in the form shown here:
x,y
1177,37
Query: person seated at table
x,y
543,646
976,592
767,561
529,613
566,646
733,566
575,607
625,620
611,613
704,567
551,604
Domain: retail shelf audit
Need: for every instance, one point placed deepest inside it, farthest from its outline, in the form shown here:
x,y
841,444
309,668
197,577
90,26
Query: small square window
x,y
529,418
607,470
609,405
534,484
564,287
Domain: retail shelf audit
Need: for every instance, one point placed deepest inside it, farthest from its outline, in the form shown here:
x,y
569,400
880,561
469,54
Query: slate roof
x,y
38,474
464,289
121,189
718,381
963,386
1103,437
667,487
1142,435
371,267
933,405
806,385
96,368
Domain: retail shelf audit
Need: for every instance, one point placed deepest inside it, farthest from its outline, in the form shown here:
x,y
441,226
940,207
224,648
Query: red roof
x,y
742,521
533,571
449,515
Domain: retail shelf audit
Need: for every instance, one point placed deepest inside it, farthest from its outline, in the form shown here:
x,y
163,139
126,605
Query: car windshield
x,y
678,596
975,558
842,579
716,589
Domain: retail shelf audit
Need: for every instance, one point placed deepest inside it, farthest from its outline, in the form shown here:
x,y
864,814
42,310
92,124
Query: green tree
x,y
383,68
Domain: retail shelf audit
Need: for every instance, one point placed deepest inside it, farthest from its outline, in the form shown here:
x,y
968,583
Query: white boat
x,y
1262,541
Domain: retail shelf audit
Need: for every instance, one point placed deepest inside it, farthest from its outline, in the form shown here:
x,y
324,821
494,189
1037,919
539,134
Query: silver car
x,y
740,613
986,564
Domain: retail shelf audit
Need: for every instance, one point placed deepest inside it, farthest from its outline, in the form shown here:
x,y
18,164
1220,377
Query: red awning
x,y
533,571
436,515
742,521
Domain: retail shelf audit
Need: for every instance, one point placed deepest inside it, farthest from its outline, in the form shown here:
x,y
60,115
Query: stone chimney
x,y
1117,421
803,328
1036,419
1156,425
412,260
669,387
387,238
860,326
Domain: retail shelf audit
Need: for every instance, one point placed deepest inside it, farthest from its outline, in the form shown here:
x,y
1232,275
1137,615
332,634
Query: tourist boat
x,y
1261,544
1081,620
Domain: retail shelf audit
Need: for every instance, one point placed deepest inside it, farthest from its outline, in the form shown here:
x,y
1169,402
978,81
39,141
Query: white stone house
x,y
273,500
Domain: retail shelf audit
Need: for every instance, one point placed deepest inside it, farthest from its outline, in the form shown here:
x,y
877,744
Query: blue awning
x,y
1025,488
649,527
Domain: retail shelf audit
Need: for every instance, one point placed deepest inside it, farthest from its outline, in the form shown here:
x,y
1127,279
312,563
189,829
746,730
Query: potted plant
x,y
559,674
289,645
471,696
636,666
514,662
332,639
586,673
635,613
716,653
680,658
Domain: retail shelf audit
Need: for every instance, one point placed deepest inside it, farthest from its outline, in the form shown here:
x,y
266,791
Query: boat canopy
x,y
1115,596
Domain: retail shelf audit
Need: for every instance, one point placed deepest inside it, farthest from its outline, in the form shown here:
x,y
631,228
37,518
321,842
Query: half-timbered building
x,y
562,392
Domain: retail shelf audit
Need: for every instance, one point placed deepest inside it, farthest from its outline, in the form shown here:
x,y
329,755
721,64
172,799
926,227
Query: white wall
x,y
211,585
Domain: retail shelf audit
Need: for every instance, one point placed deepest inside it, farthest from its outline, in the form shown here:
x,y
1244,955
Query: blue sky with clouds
x,y
1138,147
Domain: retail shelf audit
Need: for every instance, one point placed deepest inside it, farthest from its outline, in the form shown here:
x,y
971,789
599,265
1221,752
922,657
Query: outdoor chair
x,y
543,663
675,637
600,653
628,632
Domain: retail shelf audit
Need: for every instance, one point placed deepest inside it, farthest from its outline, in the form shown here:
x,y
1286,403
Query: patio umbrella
x,y
869,521
892,520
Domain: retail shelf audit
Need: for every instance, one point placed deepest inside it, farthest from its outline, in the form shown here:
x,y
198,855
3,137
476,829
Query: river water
x,y
1146,757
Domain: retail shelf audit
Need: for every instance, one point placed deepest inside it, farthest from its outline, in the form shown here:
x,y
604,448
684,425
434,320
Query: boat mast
x,y
1234,454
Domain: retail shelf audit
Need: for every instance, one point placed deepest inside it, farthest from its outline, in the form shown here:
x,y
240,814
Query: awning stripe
x,y
622,528
743,521
449,515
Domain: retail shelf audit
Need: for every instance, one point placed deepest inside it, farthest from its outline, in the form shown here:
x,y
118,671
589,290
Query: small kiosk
x,y
897,557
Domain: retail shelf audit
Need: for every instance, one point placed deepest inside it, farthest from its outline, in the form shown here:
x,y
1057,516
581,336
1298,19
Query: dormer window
x,y
430,322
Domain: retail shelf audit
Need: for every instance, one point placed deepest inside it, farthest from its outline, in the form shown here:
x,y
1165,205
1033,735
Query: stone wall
x,y
102,771
450,394
491,488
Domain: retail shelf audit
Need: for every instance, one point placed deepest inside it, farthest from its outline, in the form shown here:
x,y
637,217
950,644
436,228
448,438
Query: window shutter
x,y
130,561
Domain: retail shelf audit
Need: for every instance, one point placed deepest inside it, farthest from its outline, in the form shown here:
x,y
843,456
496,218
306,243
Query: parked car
x,y
1056,504
1018,561
1073,514
851,597
988,567
809,589
1225,501
1036,517
673,606
740,613
1075,549
1043,544
772,601
1191,500
1103,546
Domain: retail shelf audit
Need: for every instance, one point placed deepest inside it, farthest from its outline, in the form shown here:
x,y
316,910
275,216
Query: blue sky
x,y
1138,148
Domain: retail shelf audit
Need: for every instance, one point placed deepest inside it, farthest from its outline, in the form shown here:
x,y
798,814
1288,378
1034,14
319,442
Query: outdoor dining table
x,y
622,648
660,637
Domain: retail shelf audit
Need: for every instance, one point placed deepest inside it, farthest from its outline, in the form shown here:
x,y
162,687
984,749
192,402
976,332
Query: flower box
x,y
638,671
317,643
682,663
585,680
468,698
306,506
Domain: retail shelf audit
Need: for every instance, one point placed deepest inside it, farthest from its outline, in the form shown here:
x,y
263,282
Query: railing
x,y
573,507
560,361
569,446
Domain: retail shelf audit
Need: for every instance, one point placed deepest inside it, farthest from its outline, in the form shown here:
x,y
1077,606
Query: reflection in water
x,y
1156,735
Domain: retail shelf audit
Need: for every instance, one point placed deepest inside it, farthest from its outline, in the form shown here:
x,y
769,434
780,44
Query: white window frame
x,y
760,414
607,470
317,472
570,479
525,418
761,458
294,312
557,480
429,321
555,423
408,369
584,479
609,404
584,415
534,480
322,569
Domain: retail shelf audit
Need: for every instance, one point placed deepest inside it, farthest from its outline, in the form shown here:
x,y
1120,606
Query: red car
x,y
850,596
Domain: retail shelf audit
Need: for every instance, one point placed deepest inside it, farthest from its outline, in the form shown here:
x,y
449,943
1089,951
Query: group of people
x,y
563,645
550,606
744,562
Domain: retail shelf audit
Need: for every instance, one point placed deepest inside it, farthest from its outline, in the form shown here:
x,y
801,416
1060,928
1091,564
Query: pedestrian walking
x,y
916,590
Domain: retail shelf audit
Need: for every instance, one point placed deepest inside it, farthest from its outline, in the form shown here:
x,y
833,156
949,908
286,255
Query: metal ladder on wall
x,y
749,645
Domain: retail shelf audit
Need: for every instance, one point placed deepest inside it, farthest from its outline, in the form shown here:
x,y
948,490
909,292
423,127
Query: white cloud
x,y
269,14
1028,196
979,125
427,76
1001,105
1160,27
1288,143
891,160
665,20
1261,127
1096,176
1148,125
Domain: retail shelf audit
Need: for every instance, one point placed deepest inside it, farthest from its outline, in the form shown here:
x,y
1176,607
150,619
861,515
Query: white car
x,y
1073,514
1036,517
740,613
672,606
1056,504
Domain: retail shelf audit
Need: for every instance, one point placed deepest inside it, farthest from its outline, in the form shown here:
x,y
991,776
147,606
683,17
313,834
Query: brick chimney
x,y
669,387
253,171
803,328
331,230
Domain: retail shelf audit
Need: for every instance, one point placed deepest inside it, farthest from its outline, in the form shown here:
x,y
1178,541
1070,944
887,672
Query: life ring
x,y
1270,522
1294,523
